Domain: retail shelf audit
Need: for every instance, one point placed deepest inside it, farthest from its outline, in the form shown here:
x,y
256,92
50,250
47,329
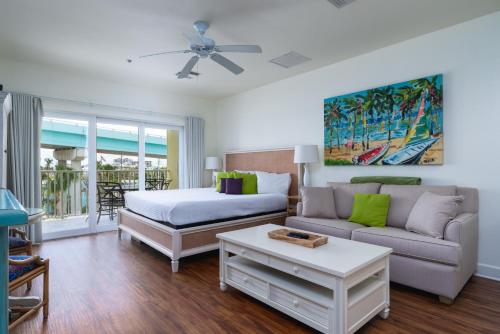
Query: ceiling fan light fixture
x,y
290,59
340,3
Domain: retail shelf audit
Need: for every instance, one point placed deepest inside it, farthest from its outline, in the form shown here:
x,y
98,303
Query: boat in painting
x,y
372,156
410,154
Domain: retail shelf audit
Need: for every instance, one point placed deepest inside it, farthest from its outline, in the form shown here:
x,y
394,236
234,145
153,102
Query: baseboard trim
x,y
488,271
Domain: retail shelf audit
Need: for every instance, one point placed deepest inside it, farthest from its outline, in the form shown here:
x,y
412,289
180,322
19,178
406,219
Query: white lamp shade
x,y
305,154
213,163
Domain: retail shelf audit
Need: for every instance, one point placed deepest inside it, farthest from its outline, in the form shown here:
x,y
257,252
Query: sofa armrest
x,y
299,208
464,231
462,228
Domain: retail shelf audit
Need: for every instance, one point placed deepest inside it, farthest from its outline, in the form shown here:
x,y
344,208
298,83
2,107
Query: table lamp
x,y
213,164
306,154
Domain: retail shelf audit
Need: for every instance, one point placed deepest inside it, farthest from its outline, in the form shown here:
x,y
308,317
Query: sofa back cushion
x,y
432,212
343,194
317,202
403,198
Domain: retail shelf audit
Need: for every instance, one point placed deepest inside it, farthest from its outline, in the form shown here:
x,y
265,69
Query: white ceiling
x,y
96,36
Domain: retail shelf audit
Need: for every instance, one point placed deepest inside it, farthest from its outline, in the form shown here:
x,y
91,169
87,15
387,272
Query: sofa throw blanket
x,y
398,180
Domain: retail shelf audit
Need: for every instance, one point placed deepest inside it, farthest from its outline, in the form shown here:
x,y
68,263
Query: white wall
x,y
290,112
56,82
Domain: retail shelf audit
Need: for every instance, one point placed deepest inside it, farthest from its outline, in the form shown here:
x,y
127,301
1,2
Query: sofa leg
x,y
446,300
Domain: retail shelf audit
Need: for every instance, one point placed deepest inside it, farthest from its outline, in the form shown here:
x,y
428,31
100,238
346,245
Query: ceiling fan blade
x,y
163,53
188,67
238,48
223,61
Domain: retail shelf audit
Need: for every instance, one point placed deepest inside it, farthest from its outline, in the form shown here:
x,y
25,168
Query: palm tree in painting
x,y
333,117
434,97
406,99
353,107
387,105
373,104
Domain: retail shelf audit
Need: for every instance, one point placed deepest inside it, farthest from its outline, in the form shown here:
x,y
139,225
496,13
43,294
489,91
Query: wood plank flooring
x,y
100,284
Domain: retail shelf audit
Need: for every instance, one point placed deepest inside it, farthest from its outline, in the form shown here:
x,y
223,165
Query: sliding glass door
x,y
88,164
64,169
117,161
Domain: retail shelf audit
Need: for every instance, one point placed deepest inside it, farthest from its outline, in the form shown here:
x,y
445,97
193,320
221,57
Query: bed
x,y
180,223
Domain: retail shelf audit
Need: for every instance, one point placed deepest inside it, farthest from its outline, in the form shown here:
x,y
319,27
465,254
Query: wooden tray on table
x,y
314,240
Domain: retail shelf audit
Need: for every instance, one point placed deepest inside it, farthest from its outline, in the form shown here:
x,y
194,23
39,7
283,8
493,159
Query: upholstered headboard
x,y
272,161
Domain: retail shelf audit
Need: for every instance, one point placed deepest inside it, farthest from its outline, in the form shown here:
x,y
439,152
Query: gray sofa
x,y
439,266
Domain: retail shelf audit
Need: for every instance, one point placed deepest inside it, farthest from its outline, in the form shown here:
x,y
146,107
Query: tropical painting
x,y
399,124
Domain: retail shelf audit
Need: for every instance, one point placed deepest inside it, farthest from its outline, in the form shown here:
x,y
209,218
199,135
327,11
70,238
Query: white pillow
x,y
270,183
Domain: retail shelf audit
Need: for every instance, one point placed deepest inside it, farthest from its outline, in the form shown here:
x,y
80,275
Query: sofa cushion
x,y
370,209
344,195
432,212
318,202
411,244
335,227
387,180
403,198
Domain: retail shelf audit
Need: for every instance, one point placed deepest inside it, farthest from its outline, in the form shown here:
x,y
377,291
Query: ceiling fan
x,y
204,47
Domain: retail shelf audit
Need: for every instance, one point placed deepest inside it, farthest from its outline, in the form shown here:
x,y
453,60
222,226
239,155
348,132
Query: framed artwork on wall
x,y
398,124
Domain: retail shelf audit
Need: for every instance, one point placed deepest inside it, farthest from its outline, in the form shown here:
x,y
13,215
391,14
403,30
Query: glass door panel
x,y
117,160
161,158
64,176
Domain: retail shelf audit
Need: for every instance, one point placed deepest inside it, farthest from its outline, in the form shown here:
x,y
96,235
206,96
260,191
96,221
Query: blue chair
x,y
18,243
22,270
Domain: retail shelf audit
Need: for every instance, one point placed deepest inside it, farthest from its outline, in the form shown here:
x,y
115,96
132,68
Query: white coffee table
x,y
335,288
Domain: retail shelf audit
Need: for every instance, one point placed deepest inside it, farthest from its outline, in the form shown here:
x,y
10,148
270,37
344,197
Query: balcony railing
x,y
65,192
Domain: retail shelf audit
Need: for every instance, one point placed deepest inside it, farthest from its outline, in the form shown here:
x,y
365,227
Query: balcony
x,y
65,194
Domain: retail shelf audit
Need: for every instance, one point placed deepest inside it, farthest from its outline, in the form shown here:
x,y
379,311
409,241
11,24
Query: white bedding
x,y
187,206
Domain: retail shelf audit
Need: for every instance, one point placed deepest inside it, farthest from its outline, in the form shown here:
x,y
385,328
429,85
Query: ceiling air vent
x,y
340,3
290,59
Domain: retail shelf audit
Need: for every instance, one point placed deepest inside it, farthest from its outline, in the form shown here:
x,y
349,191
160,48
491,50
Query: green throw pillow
x,y
370,209
221,175
249,182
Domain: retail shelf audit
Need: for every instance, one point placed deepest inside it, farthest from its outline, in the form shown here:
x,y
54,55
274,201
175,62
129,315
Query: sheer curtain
x,y
195,151
23,152
4,109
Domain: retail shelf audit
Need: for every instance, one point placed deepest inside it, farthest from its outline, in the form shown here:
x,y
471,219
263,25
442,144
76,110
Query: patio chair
x,y
155,183
110,197
22,270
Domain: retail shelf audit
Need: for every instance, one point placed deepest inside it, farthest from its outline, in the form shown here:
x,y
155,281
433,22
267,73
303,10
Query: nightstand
x,y
291,207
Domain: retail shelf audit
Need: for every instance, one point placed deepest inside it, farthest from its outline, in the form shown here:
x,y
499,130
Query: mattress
x,y
187,207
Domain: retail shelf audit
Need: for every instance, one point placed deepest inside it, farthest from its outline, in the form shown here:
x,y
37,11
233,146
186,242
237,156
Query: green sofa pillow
x,y
249,182
221,175
370,209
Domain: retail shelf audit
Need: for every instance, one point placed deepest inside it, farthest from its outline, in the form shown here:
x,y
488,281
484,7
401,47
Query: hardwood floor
x,y
100,284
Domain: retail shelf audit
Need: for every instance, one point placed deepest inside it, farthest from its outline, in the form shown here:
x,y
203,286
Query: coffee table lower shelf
x,y
305,301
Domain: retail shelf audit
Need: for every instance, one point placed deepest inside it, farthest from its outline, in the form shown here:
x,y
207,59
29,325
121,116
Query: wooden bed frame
x,y
193,240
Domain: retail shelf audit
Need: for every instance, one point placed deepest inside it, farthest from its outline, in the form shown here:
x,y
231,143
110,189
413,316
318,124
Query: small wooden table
x,y
11,213
335,288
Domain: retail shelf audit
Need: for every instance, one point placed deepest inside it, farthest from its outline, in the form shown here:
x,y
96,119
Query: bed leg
x,y
175,266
